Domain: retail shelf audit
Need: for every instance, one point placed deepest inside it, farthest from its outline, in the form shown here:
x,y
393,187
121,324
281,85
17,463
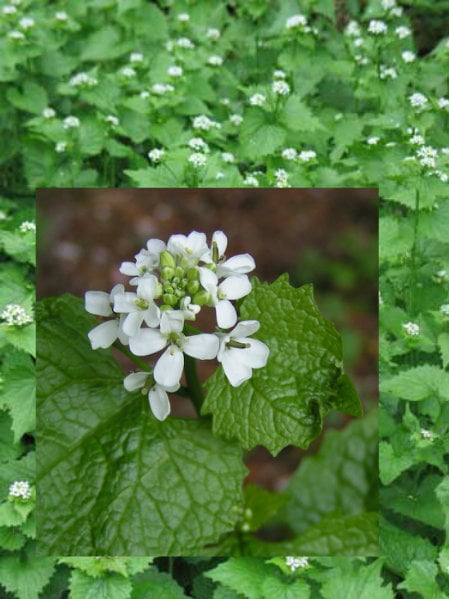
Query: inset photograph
x,y
207,372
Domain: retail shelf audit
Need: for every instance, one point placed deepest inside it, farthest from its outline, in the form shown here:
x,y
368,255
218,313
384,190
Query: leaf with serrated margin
x,y
421,578
110,586
156,585
285,402
419,383
244,575
111,478
365,583
19,393
25,576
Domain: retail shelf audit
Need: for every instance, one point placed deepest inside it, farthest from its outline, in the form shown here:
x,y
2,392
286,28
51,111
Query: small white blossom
x,y
353,29
296,562
26,226
61,16
82,80
387,72
183,17
27,23
307,155
9,9
162,88
204,123
197,159
128,72
388,4
101,303
442,103
175,71
225,101
112,120
280,87
157,394
443,177
426,434
427,156
48,113
144,94
257,100
232,288
373,140
16,35
136,57
289,154
296,22
281,177
408,56
417,140
377,27
418,100
20,489
220,175
213,34
61,147
215,61
198,144
156,154
251,180
71,122
279,74
412,329
444,309
184,42
358,42
227,157
236,119
138,307
402,32
15,315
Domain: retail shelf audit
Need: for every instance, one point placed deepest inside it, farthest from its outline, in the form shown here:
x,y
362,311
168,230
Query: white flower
x,y
112,120
204,123
442,102
296,22
280,87
197,159
377,27
443,177
157,394
237,265
281,177
412,329
279,74
225,101
388,4
257,99
128,72
358,42
426,434
175,71
189,310
387,72
352,29
71,122
183,17
48,113
198,144
402,32
427,156
191,247
215,61
9,9
251,180
444,309
15,315
146,261
296,562
184,42
61,147
168,369
418,100
16,35
289,154
219,175
238,354
162,88
213,34
307,155
144,94
227,157
232,288
100,304
136,57
139,307
417,140
373,140
26,226
27,23
408,56
20,489
156,154
82,80
61,16
236,119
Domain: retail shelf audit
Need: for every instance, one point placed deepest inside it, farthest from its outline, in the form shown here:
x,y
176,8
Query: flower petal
x,y
235,287
159,402
256,355
146,342
203,346
147,287
172,321
240,264
132,323
245,328
209,281
104,334
129,268
235,371
125,302
168,369
97,302
221,240
152,315
135,380
226,314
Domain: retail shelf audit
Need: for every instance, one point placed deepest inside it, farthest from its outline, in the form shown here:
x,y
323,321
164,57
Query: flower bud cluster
x,y
172,283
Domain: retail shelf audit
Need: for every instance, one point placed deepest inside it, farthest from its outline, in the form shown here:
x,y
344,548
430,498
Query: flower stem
x,y
414,274
193,382
132,357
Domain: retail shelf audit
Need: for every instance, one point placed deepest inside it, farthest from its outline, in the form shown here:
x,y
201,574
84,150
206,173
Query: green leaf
x,y
33,98
421,578
11,539
9,448
25,576
263,504
366,583
19,394
395,238
274,588
112,586
443,345
156,585
419,383
285,402
298,117
23,338
97,566
347,481
244,575
20,246
102,45
260,137
153,487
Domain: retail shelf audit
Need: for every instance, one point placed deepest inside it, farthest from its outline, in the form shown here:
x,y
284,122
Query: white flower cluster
x,y
297,562
280,87
377,27
257,99
27,225
412,329
444,309
162,88
156,154
204,123
172,283
71,122
20,489
297,22
418,100
15,315
83,80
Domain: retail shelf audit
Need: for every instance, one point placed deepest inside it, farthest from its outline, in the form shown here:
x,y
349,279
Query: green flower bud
x,y
170,299
167,288
193,287
180,292
193,274
159,291
201,298
168,273
176,281
141,303
166,259
165,307
179,272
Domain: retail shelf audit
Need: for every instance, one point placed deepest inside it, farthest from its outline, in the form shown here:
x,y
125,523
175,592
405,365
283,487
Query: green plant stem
x,y
414,273
193,382
132,357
